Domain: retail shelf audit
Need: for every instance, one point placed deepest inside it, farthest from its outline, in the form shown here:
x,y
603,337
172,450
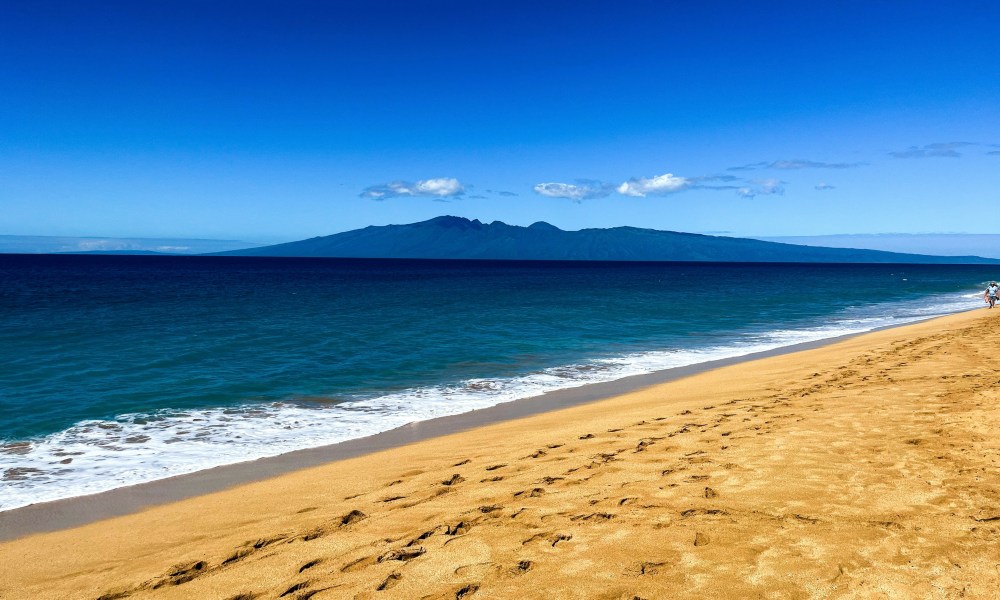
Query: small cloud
x,y
715,182
761,187
501,193
105,245
795,164
770,186
442,187
812,164
940,149
659,185
476,197
713,178
583,189
994,152
749,167
824,186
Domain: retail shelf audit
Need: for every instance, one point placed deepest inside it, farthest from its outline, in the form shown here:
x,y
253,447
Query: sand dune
x,y
864,469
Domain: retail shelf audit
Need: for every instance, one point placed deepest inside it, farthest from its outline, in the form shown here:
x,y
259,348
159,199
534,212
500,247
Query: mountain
x,y
51,244
123,252
939,244
459,238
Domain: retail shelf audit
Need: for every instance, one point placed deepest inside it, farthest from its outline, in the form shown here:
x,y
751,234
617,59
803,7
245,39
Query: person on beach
x,y
991,294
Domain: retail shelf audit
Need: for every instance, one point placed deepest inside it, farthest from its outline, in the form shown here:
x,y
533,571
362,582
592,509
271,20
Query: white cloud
x,y
939,149
769,186
824,186
92,245
796,164
659,185
762,187
442,187
579,191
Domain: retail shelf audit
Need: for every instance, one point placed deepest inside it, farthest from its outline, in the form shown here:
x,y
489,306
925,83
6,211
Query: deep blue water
x,y
136,368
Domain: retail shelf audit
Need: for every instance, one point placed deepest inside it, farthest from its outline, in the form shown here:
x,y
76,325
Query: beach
x,y
861,469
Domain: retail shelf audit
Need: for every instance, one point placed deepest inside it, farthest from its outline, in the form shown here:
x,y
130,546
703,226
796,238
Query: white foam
x,y
95,456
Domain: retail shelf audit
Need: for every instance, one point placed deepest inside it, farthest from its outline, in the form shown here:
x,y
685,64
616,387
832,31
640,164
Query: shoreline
x,y
859,468
75,511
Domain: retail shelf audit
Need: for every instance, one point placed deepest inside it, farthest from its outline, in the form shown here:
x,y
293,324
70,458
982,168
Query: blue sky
x,y
272,121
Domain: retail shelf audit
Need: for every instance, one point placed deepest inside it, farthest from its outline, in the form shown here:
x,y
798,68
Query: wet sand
x,y
865,468
73,512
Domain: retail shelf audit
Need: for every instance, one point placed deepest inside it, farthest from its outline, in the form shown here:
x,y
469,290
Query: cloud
x,y
796,164
770,186
105,245
442,187
824,186
662,185
940,149
700,181
715,182
583,189
761,187
749,167
502,193
659,185
812,164
994,152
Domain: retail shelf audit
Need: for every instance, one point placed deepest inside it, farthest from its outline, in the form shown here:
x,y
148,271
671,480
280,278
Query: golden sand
x,y
863,469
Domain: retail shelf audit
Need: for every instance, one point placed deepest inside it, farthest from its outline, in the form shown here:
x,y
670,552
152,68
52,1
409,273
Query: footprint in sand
x,y
310,565
390,582
298,587
352,517
358,564
650,568
454,479
522,567
403,554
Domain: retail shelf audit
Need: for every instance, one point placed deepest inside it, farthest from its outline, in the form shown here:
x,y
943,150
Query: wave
x,y
98,455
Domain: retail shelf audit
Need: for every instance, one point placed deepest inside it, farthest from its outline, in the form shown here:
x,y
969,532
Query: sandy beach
x,y
862,469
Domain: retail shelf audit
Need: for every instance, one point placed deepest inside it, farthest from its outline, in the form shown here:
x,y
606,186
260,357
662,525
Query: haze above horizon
x,y
273,121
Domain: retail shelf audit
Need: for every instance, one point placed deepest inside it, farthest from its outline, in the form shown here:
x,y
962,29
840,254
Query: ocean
x,y
117,370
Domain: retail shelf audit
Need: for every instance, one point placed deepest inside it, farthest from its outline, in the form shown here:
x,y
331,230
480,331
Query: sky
x,y
276,121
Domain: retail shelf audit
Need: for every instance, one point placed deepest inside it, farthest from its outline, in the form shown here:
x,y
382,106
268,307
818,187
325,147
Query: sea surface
x,y
116,370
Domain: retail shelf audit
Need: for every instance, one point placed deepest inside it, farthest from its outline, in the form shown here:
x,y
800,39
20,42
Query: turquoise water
x,y
116,370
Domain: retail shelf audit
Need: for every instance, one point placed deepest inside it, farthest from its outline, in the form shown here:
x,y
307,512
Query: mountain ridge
x,y
451,237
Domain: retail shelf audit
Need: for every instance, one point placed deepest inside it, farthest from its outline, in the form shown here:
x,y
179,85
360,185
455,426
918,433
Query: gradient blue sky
x,y
272,121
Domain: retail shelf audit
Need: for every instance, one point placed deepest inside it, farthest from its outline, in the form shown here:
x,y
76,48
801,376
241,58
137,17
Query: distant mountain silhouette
x,y
460,238
122,252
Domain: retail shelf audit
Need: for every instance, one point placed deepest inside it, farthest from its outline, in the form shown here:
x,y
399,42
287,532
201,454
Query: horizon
x,y
933,244
271,123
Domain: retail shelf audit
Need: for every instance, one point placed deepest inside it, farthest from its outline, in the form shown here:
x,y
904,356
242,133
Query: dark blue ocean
x,y
117,369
